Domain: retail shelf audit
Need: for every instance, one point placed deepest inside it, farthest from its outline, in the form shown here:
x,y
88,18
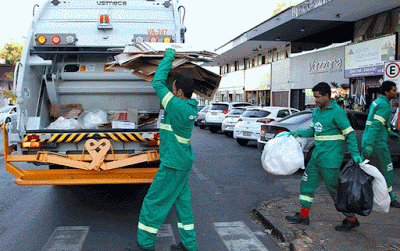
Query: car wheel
x,y
8,120
214,129
242,142
308,157
229,134
202,126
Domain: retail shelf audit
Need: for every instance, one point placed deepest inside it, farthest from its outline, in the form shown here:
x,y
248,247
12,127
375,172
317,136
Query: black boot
x,y
298,219
395,204
347,225
134,246
178,247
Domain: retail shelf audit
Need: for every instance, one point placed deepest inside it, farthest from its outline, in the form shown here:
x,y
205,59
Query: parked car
x,y
7,114
249,124
302,120
200,108
228,124
201,115
217,113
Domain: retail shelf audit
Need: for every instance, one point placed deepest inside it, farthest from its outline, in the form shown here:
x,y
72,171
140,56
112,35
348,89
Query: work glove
x,y
294,134
394,136
169,54
367,151
358,159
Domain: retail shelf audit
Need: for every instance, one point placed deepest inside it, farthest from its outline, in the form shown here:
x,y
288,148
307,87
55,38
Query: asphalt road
x,y
227,182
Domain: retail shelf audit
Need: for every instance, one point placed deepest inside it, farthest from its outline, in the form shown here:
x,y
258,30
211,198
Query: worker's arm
x,y
307,133
378,121
348,132
161,75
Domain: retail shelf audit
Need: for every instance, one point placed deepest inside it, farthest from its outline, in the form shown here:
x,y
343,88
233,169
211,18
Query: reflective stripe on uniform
x,y
312,124
306,198
390,189
166,99
147,229
182,140
369,122
166,127
380,118
348,130
329,137
186,227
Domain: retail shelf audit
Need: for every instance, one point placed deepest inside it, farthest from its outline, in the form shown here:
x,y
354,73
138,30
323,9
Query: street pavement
x,y
378,231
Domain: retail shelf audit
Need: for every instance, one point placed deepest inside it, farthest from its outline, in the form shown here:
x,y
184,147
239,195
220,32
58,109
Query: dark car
x,y
302,120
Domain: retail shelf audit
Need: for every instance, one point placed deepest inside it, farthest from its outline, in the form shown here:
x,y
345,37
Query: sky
x,y
210,23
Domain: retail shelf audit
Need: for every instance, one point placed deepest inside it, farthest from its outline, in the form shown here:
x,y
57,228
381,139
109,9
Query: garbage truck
x,y
63,75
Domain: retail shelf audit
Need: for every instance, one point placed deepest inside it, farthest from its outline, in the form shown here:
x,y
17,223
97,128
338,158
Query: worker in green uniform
x,y
330,128
170,186
377,130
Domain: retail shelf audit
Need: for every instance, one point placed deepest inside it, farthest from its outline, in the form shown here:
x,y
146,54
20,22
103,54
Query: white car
x,y
7,114
228,124
217,113
249,125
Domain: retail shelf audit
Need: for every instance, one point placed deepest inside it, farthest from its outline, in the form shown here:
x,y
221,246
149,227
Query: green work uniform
x,y
170,186
375,135
330,128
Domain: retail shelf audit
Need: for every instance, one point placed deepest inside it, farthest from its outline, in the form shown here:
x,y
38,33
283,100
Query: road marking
x,y
198,173
238,237
165,237
70,238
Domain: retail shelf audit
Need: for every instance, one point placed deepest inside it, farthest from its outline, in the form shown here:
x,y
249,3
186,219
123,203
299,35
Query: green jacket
x,y
177,123
331,128
377,127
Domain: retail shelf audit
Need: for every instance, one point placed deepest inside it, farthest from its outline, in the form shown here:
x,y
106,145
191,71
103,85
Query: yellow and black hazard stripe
x,y
77,137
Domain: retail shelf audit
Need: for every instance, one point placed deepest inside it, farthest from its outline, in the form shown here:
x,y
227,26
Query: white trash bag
x,y
379,187
282,155
62,124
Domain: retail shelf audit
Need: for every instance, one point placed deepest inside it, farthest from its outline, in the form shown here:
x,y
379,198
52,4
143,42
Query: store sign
x,y
368,58
392,72
306,6
326,66
258,78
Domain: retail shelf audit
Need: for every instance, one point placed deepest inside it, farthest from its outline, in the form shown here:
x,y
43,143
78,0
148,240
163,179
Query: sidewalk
x,y
378,231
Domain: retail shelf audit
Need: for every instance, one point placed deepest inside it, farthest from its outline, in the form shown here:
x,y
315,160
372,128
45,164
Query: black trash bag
x,y
354,193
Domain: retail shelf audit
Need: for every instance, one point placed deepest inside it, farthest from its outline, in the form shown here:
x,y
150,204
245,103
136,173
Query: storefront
x,y
364,66
280,83
231,87
312,67
257,83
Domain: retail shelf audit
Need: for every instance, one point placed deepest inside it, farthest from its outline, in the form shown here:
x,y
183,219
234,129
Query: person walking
x,y
330,128
377,130
170,186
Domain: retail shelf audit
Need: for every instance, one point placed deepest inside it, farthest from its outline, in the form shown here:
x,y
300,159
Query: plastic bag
x,y
91,120
63,123
282,156
379,186
354,193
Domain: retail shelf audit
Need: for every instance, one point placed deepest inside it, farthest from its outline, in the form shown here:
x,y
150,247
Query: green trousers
x,y
170,187
381,159
312,177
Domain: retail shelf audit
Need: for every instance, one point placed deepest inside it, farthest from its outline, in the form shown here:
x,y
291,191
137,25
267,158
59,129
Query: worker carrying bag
x,y
354,193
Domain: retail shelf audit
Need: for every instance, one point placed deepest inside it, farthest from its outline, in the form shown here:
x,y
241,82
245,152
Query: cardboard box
x,y
123,124
131,114
57,111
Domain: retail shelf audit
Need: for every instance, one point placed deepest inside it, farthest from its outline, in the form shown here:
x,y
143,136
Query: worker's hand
x,y
393,135
294,134
358,159
367,151
169,54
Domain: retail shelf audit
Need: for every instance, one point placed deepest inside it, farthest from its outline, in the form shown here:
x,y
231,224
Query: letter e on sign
x,y
392,72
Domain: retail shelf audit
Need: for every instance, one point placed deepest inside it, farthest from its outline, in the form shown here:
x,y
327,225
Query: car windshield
x,y
5,109
220,107
256,113
237,112
297,118
204,109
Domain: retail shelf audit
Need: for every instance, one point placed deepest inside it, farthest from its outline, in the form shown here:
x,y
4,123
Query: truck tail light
x,y
56,39
167,40
31,144
42,40
153,39
155,143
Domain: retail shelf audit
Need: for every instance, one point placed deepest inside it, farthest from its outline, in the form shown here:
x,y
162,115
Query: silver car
x,y
201,115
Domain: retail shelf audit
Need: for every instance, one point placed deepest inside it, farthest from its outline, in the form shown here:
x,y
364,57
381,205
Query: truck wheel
x,y
242,142
214,129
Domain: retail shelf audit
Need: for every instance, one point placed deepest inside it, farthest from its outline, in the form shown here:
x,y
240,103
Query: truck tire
x,y
242,142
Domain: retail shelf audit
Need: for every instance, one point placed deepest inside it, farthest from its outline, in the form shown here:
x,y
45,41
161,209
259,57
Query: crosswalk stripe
x,y
69,238
238,237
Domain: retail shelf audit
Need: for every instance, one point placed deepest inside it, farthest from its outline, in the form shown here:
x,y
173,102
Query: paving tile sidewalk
x,y
378,231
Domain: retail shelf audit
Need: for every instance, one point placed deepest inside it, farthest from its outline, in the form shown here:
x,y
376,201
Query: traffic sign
x,y
392,72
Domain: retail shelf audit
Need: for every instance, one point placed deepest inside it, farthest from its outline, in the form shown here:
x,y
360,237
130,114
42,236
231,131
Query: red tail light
x,y
282,130
225,112
265,121
240,120
262,129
